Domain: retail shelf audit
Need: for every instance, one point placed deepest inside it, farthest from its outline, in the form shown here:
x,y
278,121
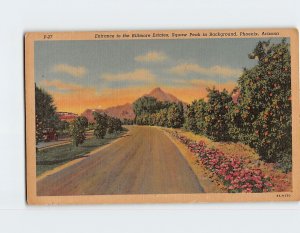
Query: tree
x,y
217,115
63,125
110,125
63,128
113,125
162,117
181,114
101,121
146,104
83,121
117,125
189,120
77,131
264,104
195,117
175,116
45,113
200,116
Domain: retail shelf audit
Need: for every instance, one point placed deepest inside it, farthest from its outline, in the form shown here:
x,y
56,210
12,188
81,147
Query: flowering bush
x,y
236,177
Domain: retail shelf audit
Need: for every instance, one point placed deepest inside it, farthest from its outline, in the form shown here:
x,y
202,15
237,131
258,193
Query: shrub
x,y
232,171
100,125
77,131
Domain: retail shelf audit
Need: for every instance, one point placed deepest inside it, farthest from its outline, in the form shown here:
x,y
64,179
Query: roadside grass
x,y
53,157
281,180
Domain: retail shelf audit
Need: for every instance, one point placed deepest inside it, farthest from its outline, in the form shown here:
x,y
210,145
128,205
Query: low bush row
x,y
232,171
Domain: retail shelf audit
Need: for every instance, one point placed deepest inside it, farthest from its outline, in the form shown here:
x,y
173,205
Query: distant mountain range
x,y
126,111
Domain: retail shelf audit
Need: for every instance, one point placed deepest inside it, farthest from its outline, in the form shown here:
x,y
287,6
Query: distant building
x,y
50,134
67,116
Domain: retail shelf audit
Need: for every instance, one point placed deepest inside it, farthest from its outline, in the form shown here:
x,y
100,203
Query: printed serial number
x,y
283,195
48,37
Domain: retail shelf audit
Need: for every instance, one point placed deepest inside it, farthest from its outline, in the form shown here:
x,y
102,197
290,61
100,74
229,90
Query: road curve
x,y
145,161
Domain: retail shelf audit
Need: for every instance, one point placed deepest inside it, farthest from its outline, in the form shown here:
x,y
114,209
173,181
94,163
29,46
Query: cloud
x,y
136,75
203,84
75,71
187,68
152,56
61,86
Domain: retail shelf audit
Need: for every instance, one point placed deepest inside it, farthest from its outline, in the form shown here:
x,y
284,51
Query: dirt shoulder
x,y
203,175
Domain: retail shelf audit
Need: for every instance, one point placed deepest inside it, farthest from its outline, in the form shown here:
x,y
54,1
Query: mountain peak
x,y
157,89
160,95
125,111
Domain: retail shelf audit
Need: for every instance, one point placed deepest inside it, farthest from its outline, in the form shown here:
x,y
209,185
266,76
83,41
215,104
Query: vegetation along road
x,y
144,161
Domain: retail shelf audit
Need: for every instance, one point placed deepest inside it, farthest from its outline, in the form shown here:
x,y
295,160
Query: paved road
x,y
145,161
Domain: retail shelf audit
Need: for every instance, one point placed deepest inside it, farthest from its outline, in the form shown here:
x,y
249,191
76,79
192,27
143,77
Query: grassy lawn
x,y
50,158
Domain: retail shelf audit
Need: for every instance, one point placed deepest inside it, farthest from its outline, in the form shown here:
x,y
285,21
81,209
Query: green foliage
x,y
77,130
83,121
217,115
195,117
175,115
161,118
63,128
210,118
150,111
101,125
91,126
63,125
113,125
146,105
264,106
45,113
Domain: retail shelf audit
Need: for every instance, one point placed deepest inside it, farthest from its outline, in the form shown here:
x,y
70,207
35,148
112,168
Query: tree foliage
x,y
106,124
45,113
195,117
146,105
263,118
175,116
77,130
63,128
217,115
101,123
113,125
150,111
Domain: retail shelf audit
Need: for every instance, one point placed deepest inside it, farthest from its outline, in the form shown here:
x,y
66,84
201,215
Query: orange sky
x,y
79,98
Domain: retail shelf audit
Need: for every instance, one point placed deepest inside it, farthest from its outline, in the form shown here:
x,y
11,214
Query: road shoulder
x,y
201,173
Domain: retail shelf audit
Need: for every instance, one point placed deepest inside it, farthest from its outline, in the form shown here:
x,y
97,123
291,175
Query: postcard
x,y
174,116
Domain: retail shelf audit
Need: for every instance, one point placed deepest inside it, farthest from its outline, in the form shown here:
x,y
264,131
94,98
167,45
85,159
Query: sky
x,y
101,74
